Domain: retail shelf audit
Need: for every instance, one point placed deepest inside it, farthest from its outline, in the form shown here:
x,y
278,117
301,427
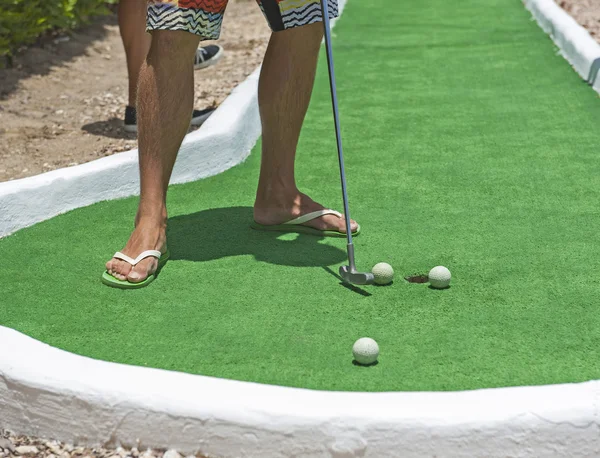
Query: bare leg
x,y
165,97
132,25
284,92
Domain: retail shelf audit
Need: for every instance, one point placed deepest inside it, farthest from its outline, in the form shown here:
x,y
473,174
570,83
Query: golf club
x,y
349,272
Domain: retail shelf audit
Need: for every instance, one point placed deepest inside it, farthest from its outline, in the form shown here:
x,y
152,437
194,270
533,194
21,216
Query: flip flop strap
x,y
146,254
313,215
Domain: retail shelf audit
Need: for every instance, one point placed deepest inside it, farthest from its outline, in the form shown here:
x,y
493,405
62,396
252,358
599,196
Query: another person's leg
x,y
284,92
132,26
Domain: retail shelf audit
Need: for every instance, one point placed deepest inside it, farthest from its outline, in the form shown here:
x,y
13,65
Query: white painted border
x,y
50,393
576,45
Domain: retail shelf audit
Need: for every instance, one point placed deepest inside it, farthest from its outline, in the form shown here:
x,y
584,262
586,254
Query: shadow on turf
x,y
352,288
223,232
356,363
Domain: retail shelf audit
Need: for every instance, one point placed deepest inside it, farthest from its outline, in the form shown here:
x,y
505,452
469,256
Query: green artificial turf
x,y
470,143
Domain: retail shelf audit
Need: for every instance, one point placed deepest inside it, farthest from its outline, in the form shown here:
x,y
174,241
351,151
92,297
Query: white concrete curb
x,y
224,141
575,43
51,393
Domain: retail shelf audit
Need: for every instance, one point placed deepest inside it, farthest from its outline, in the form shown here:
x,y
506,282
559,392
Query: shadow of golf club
x,y
352,288
223,232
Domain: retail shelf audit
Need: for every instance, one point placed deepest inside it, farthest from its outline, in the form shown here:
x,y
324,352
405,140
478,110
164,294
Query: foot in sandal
x,y
300,213
137,264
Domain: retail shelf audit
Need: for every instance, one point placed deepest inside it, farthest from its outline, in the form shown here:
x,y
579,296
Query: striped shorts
x,y
204,17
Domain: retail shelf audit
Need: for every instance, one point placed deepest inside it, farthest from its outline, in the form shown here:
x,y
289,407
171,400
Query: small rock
x,y
147,454
5,443
27,450
172,454
59,112
52,445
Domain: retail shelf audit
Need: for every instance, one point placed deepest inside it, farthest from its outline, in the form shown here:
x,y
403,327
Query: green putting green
x,y
470,143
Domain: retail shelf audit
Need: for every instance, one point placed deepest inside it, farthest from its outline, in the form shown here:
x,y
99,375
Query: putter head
x,y
356,278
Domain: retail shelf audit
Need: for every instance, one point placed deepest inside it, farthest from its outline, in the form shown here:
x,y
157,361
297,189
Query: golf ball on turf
x,y
383,272
365,351
439,277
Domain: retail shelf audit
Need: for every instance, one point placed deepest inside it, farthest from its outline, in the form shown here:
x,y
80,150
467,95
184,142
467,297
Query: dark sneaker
x,y
198,118
130,123
207,56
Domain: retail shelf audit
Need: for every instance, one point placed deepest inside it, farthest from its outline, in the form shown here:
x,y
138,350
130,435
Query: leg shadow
x,y
112,128
222,232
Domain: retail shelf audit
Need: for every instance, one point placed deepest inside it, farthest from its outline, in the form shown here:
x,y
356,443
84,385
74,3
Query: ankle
x,y
156,219
277,193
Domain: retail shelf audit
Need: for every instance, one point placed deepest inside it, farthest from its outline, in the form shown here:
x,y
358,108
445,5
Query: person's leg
x,y
165,97
284,92
132,26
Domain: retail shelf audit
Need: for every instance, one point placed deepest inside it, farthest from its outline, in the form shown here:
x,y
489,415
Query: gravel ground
x,y
17,446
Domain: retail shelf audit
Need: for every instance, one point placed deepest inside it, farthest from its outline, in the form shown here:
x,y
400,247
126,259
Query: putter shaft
x,y
348,273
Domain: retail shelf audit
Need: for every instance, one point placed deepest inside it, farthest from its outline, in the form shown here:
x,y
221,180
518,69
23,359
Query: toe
x,y
141,271
135,276
126,268
120,269
341,225
111,266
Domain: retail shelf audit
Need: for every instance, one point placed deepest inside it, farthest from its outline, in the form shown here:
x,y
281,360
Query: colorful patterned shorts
x,y
204,17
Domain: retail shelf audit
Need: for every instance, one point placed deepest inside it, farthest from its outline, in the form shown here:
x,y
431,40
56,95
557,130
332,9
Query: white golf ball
x,y
365,351
439,277
383,272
